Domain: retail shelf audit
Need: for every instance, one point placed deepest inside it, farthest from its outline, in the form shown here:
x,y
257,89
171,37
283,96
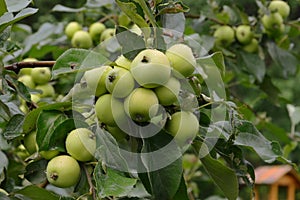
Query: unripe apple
x,y
168,93
136,29
272,21
280,6
117,133
182,60
141,105
224,36
63,171
27,71
35,98
48,155
27,80
119,82
184,126
151,68
244,34
95,79
95,30
110,110
81,144
252,47
82,39
72,28
30,142
122,61
41,75
47,90
107,34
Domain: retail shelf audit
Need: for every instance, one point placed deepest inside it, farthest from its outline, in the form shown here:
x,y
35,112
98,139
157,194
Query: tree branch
x,y
19,65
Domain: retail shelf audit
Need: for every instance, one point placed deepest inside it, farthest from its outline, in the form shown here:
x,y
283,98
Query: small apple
x,y
27,80
109,110
244,34
119,82
95,79
184,126
182,60
281,7
168,93
81,144
95,30
47,90
35,98
141,105
224,36
117,133
41,75
151,68
48,155
107,34
272,21
63,171
30,142
136,29
26,71
82,39
122,61
72,28
252,47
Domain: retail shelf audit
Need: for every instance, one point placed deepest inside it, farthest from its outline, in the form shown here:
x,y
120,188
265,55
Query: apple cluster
x,y
37,79
80,38
272,22
136,91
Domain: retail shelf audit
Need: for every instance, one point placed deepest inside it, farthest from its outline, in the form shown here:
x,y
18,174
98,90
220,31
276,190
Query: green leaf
x,y
3,8
181,193
174,23
130,42
47,121
172,7
35,171
112,182
17,5
294,113
254,64
78,59
3,162
14,127
34,192
62,8
214,60
224,177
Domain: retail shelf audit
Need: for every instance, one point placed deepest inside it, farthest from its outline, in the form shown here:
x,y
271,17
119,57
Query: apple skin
x,y
151,68
107,34
27,71
41,75
141,105
27,80
30,142
117,133
281,7
63,171
95,79
72,28
272,21
252,47
95,30
168,93
244,34
122,61
48,155
224,36
81,144
183,126
110,110
82,39
119,82
47,90
182,60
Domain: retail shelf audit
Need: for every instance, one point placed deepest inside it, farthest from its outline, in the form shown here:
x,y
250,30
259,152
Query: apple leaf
x,y
294,113
62,8
174,23
181,193
110,182
14,127
3,162
35,171
3,8
17,5
34,192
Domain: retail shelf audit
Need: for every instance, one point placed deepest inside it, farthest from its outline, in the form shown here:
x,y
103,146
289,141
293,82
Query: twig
x,y
19,65
92,188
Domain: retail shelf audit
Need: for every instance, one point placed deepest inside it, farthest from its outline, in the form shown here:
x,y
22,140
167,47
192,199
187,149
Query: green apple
x,y
168,93
48,155
82,39
30,142
117,133
122,61
272,21
119,82
95,79
184,126
27,71
224,36
35,98
252,47
24,108
281,7
63,171
151,68
181,59
107,34
81,144
136,29
109,110
41,75
47,90
27,80
141,105
95,30
244,34
72,28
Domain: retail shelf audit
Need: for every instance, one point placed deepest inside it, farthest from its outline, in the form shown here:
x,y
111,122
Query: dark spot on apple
x,y
54,176
111,78
145,59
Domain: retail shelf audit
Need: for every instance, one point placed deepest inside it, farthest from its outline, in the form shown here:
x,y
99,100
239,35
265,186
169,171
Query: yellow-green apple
x,y
224,36
281,7
107,34
72,28
47,90
168,93
244,34
82,39
41,75
95,30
